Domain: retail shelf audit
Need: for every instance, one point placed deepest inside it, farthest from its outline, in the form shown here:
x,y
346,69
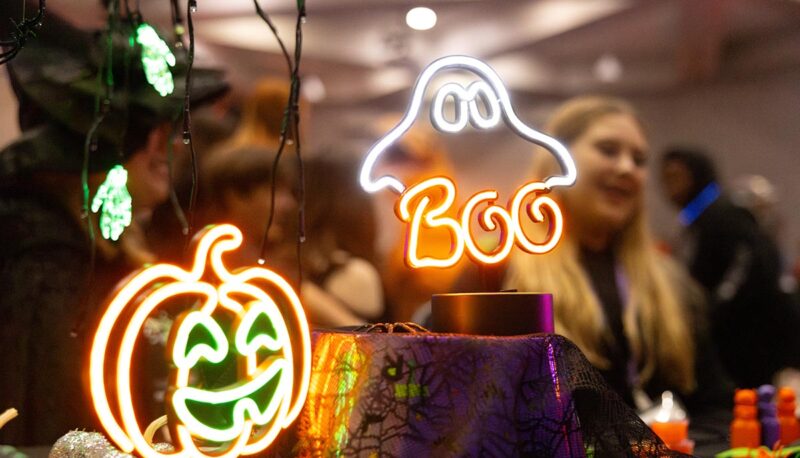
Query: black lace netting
x,y
474,396
608,425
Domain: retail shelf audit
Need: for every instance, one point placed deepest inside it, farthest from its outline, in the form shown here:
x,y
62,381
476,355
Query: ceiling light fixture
x,y
421,18
608,68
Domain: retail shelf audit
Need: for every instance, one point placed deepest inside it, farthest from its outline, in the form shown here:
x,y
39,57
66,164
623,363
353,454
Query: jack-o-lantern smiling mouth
x,y
258,396
232,405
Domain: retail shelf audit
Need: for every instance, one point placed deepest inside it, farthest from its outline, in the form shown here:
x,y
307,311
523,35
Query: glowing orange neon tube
x,y
417,210
156,285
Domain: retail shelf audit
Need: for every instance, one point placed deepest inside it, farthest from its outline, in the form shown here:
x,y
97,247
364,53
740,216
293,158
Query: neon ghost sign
x,y
425,204
271,386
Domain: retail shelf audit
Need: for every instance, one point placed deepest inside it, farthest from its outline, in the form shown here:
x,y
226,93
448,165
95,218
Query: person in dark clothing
x,y
54,276
753,322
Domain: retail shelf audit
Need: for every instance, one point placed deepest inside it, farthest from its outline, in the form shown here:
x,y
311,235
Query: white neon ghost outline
x,y
491,84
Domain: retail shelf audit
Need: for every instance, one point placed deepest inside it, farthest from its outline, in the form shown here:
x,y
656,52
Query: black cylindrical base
x,y
497,314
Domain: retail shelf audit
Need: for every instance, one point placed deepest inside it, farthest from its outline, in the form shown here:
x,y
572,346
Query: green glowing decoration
x,y
156,59
219,414
115,201
345,399
412,389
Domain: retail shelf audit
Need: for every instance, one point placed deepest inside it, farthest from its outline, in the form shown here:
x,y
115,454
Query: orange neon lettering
x,y
488,221
534,211
432,218
151,288
417,210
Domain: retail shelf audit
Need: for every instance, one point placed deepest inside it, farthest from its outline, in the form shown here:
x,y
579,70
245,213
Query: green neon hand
x,y
156,59
113,197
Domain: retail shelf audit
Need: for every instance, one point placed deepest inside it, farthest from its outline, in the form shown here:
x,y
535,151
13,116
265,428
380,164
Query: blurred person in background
x,y
757,195
251,150
340,285
238,190
54,280
754,323
412,158
339,252
216,128
634,313
262,116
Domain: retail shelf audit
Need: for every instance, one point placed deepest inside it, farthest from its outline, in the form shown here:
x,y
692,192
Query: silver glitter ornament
x,y
84,444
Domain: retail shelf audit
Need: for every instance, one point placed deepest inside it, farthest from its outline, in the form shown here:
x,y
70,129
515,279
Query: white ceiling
x,y
364,54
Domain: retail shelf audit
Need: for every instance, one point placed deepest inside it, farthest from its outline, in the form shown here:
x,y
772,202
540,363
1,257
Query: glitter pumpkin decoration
x,y
267,338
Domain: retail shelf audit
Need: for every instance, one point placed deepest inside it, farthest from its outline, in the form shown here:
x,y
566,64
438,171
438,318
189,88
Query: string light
x,y
156,59
22,32
191,7
290,124
114,200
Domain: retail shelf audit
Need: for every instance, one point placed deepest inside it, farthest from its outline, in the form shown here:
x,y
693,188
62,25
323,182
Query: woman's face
x,y
611,157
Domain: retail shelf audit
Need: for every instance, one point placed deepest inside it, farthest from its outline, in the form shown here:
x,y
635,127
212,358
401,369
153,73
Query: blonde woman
x,y
619,299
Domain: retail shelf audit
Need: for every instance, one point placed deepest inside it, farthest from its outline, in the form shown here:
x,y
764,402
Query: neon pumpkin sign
x,y
270,391
425,204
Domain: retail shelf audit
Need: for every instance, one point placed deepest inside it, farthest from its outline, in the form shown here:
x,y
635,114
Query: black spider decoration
x,y
389,328
20,34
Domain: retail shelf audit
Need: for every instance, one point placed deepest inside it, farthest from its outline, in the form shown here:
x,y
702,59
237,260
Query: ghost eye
x,y
198,336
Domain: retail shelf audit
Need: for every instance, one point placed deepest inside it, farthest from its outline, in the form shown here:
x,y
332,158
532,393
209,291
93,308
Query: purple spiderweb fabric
x,y
421,395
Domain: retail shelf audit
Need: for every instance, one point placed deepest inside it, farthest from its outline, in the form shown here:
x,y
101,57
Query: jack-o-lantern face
x,y
273,363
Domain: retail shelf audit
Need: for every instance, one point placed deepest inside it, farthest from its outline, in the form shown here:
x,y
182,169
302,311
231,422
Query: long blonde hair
x,y
654,317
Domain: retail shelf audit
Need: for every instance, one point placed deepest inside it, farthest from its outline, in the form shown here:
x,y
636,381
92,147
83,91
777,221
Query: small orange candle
x,y
675,435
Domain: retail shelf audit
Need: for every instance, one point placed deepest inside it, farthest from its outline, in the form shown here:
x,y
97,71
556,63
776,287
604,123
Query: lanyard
x,y
699,204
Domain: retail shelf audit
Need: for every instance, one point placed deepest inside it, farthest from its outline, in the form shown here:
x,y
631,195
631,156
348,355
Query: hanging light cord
x,y
102,105
301,220
21,33
177,23
289,126
191,7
